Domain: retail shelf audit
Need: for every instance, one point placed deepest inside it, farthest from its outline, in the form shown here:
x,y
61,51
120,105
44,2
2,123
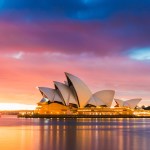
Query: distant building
x,y
73,96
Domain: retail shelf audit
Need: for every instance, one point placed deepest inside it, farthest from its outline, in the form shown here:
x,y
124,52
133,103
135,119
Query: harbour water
x,y
74,134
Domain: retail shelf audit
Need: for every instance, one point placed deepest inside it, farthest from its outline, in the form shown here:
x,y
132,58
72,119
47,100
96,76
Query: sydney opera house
x,y
74,97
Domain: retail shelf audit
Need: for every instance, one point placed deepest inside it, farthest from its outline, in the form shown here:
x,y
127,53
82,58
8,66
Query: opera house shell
x,y
132,103
74,93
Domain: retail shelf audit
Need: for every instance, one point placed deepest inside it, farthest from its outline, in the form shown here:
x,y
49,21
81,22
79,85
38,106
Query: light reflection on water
x,y
74,134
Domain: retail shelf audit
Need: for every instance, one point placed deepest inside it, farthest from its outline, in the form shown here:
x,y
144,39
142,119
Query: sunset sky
x,y
104,42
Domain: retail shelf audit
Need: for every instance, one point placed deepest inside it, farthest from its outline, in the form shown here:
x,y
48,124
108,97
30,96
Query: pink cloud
x,y
19,77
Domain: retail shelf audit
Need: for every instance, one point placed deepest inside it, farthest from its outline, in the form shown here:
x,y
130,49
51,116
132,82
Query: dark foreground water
x,y
74,134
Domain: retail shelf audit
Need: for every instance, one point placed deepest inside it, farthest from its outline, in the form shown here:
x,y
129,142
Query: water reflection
x,y
74,134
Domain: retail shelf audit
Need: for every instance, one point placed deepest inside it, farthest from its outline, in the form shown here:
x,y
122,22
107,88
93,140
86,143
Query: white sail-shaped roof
x,y
47,93
50,94
98,101
119,102
104,97
128,103
57,98
92,101
43,100
132,102
72,99
66,93
82,92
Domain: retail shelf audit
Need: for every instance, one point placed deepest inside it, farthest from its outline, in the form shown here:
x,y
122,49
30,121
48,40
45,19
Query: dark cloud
x,y
73,9
99,27
103,39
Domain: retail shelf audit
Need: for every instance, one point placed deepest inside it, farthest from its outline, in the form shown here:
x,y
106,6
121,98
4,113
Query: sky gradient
x,y
104,42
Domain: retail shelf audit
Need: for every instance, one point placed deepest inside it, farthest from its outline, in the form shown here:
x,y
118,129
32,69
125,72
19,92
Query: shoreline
x,y
79,116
